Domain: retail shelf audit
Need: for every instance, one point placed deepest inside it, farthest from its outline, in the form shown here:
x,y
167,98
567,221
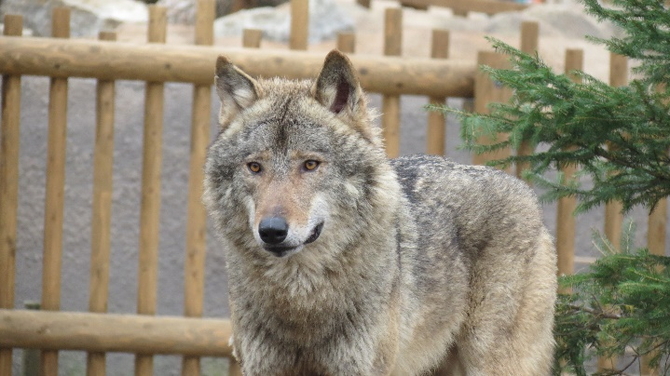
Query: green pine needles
x,y
619,138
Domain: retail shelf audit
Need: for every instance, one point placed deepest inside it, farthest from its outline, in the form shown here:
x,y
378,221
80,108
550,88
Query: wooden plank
x,y
195,64
346,42
104,332
565,219
391,102
487,91
196,224
251,38
462,7
435,136
55,185
102,207
530,34
151,188
9,184
299,25
613,215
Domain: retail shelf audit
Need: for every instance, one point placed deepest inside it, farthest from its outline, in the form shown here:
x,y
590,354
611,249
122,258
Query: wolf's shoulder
x,y
430,175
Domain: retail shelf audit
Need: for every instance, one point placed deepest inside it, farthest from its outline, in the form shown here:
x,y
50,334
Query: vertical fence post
x,y
530,32
151,188
613,216
55,185
299,25
565,219
436,120
102,204
391,103
346,42
9,184
488,91
196,226
251,38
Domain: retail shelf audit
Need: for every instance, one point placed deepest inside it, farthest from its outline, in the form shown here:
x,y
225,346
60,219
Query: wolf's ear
x,y
337,86
236,90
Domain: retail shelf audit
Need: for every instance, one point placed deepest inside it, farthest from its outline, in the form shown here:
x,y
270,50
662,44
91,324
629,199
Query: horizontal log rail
x,y
195,64
98,332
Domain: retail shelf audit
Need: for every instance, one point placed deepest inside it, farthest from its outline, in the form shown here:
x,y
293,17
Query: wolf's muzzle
x,y
273,230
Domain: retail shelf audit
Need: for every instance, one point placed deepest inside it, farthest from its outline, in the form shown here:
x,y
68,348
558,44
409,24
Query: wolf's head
x,y
298,166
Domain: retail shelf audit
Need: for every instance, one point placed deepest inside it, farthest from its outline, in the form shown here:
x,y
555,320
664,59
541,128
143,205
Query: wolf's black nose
x,y
273,230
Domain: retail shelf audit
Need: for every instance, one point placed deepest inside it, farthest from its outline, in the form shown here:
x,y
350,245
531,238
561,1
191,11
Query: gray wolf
x,y
342,262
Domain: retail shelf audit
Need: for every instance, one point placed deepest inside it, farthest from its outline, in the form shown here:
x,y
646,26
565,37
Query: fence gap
x,y
530,33
196,226
102,203
488,91
299,25
391,103
151,189
9,184
565,219
55,185
435,136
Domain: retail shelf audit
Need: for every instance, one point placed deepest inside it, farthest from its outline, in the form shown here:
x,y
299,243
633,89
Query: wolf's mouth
x,y
315,233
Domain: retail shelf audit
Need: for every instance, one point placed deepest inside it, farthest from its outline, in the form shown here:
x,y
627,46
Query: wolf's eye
x,y
254,167
311,165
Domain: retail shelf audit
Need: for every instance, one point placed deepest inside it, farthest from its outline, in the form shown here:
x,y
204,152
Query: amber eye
x,y
254,167
311,165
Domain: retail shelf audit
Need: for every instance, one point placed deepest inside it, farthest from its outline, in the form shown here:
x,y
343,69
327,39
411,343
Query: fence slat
x,y
251,38
530,33
565,219
436,120
299,25
55,185
196,226
104,332
613,215
9,184
160,63
102,203
488,91
346,42
391,103
151,189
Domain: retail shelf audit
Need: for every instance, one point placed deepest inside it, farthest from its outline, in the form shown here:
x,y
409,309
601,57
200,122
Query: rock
x,y
326,20
88,17
183,11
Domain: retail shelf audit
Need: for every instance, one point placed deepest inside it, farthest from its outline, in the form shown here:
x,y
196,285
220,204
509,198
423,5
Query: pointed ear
x,y
236,89
337,86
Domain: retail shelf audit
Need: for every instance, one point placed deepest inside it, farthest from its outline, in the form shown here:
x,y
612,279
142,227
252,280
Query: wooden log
x,y
391,102
346,42
102,204
151,188
487,91
435,136
565,219
299,25
195,64
55,186
196,224
462,7
530,33
251,38
9,188
98,332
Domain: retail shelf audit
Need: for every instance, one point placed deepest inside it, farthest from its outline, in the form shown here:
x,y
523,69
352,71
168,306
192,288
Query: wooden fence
x,y
191,336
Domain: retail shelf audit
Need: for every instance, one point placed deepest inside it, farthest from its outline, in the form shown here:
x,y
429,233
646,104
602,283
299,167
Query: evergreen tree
x,y
619,138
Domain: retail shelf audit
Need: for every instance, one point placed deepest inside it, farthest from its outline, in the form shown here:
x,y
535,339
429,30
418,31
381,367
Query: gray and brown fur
x,y
418,262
